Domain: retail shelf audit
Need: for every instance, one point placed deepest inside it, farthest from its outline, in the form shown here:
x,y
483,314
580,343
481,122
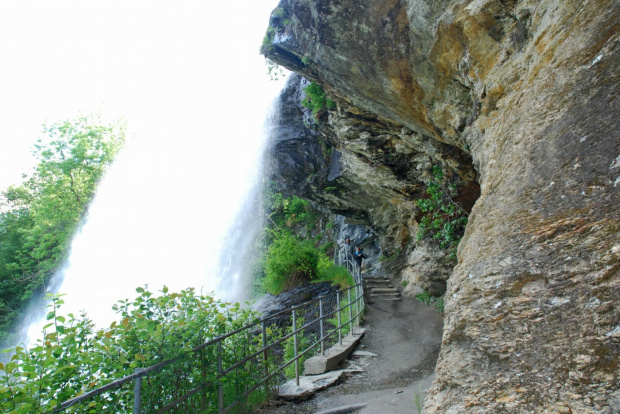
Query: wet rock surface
x,y
269,304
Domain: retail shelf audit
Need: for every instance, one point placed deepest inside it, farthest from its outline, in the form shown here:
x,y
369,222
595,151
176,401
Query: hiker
x,y
359,255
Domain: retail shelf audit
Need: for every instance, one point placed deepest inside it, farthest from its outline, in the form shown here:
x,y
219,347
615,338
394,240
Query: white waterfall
x,y
178,190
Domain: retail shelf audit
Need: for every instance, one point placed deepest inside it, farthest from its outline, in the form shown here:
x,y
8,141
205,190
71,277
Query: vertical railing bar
x,y
220,386
295,349
350,312
321,325
339,318
137,393
265,355
357,305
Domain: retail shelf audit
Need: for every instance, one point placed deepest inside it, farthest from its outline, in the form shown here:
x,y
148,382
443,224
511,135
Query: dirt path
x,y
406,336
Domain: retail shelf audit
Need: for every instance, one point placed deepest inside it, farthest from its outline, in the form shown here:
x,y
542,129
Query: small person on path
x,y
359,255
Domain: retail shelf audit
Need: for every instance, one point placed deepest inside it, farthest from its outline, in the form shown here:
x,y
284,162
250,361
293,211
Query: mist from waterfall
x,y
180,205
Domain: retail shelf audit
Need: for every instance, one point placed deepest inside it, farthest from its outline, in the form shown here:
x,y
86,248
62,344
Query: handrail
x,y
295,331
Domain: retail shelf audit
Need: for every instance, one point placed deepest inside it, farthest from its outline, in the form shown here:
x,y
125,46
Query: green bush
x,y
444,220
290,261
73,357
316,100
337,275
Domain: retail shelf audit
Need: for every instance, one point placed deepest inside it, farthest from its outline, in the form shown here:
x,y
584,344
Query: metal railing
x,y
255,358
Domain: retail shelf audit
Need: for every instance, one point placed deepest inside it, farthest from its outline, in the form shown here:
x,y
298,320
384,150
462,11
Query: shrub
x,y
73,357
338,275
444,220
289,262
316,100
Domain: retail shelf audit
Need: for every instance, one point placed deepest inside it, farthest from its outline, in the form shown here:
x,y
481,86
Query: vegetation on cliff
x,y
316,100
295,246
444,220
39,216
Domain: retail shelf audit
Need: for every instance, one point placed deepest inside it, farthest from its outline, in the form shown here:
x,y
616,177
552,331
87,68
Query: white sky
x,y
165,66
188,78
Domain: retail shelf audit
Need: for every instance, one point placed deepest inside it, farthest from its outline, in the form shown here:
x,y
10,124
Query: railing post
x,y
295,349
350,312
220,387
357,305
265,355
137,392
339,318
357,308
321,325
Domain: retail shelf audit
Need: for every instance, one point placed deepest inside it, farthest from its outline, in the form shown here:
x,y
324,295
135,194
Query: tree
x,y
38,217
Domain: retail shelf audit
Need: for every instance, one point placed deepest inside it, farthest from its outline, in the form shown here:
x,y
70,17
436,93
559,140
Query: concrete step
x,y
377,282
372,289
389,299
384,290
376,295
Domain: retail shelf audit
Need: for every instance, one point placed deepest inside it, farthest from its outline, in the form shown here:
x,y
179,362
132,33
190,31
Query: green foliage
x,y
290,258
289,212
38,217
290,261
274,70
316,100
425,297
337,275
418,399
277,24
444,220
73,358
278,12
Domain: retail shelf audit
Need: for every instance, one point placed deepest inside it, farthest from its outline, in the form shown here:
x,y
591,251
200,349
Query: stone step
x,y
377,281
372,277
375,295
384,290
389,299
372,289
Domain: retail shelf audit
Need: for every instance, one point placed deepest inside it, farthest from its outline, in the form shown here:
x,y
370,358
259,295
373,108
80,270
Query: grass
x,y
435,301
418,399
337,275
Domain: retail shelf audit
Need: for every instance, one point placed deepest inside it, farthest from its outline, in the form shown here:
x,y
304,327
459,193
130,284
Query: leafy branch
x,y
444,220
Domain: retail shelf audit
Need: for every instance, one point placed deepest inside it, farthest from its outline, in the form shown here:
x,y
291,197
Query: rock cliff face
x,y
517,101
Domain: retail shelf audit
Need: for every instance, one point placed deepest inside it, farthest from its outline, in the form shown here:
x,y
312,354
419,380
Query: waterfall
x,y
239,255
179,206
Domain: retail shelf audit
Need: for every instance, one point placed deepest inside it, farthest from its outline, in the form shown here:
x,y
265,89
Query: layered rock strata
x,y
529,90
